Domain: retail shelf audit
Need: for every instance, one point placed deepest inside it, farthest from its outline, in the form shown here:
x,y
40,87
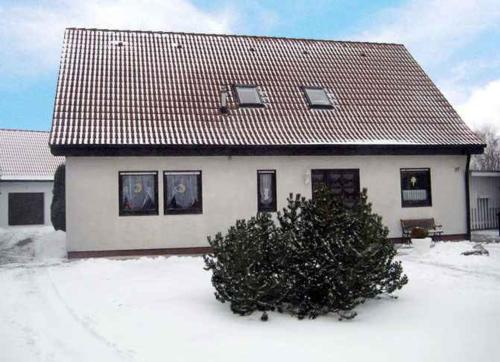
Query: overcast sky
x,y
456,41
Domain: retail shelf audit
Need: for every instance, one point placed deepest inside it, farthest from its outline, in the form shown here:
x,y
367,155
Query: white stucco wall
x,y
7,187
230,192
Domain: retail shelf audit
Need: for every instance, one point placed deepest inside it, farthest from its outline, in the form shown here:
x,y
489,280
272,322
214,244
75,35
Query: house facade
x,y
171,137
26,177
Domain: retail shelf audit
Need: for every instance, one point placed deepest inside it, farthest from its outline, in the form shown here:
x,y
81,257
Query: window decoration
x,y
343,182
182,194
266,190
317,97
138,193
248,96
416,187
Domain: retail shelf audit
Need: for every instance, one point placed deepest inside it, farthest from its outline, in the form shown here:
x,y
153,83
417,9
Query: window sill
x,y
413,206
138,213
183,212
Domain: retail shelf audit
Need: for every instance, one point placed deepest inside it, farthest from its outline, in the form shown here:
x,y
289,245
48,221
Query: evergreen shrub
x,y
321,256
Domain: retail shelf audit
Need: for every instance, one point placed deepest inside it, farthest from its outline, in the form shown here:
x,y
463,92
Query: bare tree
x,y
490,159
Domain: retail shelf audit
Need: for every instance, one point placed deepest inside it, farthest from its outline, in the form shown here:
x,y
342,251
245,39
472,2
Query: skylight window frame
x,y
248,105
309,101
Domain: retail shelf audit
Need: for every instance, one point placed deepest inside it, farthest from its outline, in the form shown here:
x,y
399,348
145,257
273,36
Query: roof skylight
x,y
248,96
317,97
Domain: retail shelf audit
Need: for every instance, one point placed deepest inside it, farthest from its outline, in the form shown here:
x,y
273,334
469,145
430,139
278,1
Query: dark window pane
x,y
333,179
415,187
183,192
248,96
317,97
317,177
138,193
266,190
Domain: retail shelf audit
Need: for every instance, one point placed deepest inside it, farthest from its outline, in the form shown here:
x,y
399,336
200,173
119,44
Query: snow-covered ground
x,y
31,244
491,235
163,309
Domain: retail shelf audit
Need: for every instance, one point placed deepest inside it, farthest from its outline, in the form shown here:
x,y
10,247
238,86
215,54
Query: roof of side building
x,y
25,155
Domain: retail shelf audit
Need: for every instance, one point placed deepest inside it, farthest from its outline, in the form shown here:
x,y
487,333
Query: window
x,y
416,187
343,182
138,193
266,190
248,96
182,194
317,97
26,208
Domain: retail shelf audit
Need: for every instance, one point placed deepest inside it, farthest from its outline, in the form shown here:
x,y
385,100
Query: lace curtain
x,y
182,191
266,196
138,192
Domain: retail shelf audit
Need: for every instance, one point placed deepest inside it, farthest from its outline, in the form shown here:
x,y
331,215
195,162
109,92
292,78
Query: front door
x,y
343,182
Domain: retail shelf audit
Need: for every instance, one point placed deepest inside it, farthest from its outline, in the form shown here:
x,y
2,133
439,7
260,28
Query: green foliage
x,y
321,257
58,206
418,233
247,270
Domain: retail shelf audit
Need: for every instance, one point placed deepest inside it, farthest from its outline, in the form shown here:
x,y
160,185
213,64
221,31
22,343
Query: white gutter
x,y
26,178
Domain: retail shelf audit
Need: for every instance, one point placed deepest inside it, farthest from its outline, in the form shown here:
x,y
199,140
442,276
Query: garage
x,y
26,177
26,208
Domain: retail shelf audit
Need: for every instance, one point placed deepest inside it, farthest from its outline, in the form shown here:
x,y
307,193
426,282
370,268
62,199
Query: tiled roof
x,y
157,88
25,155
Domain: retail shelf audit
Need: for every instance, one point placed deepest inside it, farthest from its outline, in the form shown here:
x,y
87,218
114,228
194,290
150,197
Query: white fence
x,y
484,217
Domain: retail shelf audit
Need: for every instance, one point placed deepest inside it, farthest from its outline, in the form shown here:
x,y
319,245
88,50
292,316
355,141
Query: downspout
x,y
467,196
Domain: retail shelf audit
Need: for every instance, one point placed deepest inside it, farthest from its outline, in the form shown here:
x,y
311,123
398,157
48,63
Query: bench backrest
x,y
423,223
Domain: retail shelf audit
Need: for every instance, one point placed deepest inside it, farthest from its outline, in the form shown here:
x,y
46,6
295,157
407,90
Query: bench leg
x,y
436,237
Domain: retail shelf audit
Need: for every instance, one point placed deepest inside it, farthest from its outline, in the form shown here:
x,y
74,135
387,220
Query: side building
x,y
26,177
484,199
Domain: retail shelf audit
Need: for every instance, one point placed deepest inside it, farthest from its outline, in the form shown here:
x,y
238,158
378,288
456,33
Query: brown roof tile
x,y
156,88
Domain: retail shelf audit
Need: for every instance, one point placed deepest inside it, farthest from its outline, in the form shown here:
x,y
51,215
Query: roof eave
x,y
263,150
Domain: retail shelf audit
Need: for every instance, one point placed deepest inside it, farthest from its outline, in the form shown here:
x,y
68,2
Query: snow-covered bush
x,y
323,256
245,265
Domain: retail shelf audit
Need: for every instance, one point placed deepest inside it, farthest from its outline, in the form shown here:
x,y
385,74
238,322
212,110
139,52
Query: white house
x,y
485,199
170,137
26,177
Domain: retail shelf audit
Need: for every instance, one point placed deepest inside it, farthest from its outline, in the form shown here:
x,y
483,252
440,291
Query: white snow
x,y
31,243
163,309
491,235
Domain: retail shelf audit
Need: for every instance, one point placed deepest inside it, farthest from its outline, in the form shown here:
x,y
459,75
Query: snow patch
x,y
26,244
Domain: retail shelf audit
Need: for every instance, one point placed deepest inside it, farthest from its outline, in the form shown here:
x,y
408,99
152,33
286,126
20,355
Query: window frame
x,y
122,212
192,210
248,105
325,170
409,204
274,205
309,101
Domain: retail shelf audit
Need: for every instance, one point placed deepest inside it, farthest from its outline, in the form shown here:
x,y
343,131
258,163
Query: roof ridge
x,y
23,130
237,36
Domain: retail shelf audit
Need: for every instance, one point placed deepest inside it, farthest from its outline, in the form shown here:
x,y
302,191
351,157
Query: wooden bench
x,y
435,231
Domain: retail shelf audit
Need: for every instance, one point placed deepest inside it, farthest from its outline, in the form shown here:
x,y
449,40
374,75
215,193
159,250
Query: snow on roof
x,y
25,155
485,173
160,88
